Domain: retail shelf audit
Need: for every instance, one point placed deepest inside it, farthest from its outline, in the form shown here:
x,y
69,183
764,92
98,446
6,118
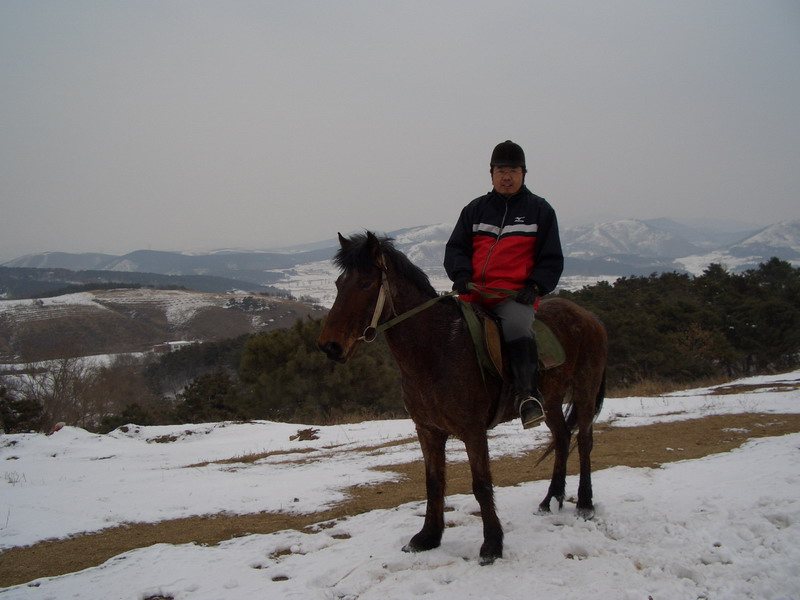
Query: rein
x,y
373,329
371,332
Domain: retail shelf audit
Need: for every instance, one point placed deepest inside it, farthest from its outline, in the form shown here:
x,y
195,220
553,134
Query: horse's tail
x,y
571,418
601,395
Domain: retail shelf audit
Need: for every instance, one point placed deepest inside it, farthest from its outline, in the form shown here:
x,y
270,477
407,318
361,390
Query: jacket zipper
x,y
497,241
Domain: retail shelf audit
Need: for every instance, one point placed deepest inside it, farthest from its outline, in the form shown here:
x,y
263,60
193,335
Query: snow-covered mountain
x,y
628,236
242,264
598,251
424,245
604,251
780,240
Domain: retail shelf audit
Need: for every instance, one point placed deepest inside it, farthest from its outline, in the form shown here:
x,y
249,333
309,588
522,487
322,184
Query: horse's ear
x,y
374,244
343,241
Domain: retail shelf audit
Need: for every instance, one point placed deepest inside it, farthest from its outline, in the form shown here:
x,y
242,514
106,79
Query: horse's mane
x,y
357,256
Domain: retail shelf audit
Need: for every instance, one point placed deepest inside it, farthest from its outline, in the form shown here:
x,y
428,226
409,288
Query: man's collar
x,y
523,190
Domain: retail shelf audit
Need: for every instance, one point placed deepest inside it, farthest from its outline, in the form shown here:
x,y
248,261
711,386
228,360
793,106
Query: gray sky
x,y
198,124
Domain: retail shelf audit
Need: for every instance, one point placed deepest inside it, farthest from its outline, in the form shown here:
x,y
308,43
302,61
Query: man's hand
x,y
528,294
460,286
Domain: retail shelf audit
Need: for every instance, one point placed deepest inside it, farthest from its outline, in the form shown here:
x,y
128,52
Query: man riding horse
x,y
508,240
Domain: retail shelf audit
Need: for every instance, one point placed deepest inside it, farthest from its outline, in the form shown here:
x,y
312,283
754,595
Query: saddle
x,y
485,333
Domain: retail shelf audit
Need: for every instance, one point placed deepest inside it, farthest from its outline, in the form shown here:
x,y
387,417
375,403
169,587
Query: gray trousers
x,y
516,320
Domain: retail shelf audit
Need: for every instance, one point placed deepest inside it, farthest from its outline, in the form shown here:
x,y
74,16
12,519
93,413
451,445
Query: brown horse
x,y
443,388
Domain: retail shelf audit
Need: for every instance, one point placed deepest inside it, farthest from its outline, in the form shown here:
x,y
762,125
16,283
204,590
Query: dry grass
x,y
258,456
658,387
741,388
360,415
250,458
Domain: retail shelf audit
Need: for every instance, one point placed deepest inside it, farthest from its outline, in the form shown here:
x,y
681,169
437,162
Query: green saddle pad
x,y
551,352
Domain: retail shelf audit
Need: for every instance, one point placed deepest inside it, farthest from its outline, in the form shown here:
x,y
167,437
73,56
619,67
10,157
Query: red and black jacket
x,y
506,243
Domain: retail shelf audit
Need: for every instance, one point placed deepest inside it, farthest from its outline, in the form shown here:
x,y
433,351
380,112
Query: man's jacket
x,y
506,243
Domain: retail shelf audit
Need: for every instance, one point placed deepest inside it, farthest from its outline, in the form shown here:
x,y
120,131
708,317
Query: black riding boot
x,y
524,359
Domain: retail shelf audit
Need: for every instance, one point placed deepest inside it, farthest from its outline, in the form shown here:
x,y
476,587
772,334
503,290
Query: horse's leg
x,y
585,507
432,443
561,435
478,452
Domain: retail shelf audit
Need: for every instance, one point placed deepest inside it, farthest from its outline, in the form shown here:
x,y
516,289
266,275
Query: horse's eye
x,y
365,285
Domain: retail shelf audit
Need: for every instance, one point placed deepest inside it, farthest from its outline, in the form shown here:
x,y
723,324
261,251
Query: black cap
x,y
507,154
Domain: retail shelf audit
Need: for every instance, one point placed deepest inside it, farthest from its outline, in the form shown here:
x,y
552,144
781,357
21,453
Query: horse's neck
x,y
433,327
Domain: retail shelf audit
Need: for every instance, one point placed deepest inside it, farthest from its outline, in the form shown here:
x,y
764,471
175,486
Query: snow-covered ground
x,y
179,306
698,263
318,280
723,527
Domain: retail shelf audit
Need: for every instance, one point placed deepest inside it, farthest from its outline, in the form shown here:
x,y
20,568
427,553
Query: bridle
x,y
372,330
385,293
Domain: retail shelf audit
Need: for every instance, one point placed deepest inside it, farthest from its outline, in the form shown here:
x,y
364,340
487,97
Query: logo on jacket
x,y
519,219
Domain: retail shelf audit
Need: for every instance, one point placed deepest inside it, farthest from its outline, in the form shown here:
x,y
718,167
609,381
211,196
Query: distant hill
x,y
600,250
133,320
781,240
705,234
26,282
256,267
627,237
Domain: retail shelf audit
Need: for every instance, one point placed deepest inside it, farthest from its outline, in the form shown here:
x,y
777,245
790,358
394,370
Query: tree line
x,y
279,375
681,328
668,327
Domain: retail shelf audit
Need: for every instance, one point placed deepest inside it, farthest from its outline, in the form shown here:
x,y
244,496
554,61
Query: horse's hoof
x,y
544,507
415,548
485,561
490,552
421,543
488,558
587,514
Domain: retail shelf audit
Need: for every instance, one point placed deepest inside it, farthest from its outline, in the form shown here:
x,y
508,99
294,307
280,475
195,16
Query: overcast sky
x,y
198,124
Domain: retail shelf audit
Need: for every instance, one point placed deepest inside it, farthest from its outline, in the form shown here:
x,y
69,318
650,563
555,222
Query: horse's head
x,y
357,290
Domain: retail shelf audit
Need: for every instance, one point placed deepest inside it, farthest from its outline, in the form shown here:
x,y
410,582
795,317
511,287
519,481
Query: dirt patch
x,y
648,446
743,388
289,454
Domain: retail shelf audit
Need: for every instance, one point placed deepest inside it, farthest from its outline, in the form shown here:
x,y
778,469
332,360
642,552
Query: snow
x,y
45,308
783,234
318,279
80,298
697,264
178,306
726,526
627,236
315,280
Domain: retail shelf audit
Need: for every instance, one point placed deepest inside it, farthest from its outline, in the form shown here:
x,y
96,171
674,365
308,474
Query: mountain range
x,y
203,297
607,250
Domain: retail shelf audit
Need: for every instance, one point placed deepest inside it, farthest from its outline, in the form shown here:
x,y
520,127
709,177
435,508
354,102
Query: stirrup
x,y
530,412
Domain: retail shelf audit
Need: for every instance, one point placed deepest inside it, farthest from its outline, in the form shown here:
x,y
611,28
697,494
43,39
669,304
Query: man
x,y
508,240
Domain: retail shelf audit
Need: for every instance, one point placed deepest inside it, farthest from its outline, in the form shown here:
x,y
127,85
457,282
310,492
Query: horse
x,y
443,388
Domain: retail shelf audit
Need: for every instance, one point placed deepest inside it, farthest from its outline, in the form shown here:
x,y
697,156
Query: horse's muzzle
x,y
333,351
